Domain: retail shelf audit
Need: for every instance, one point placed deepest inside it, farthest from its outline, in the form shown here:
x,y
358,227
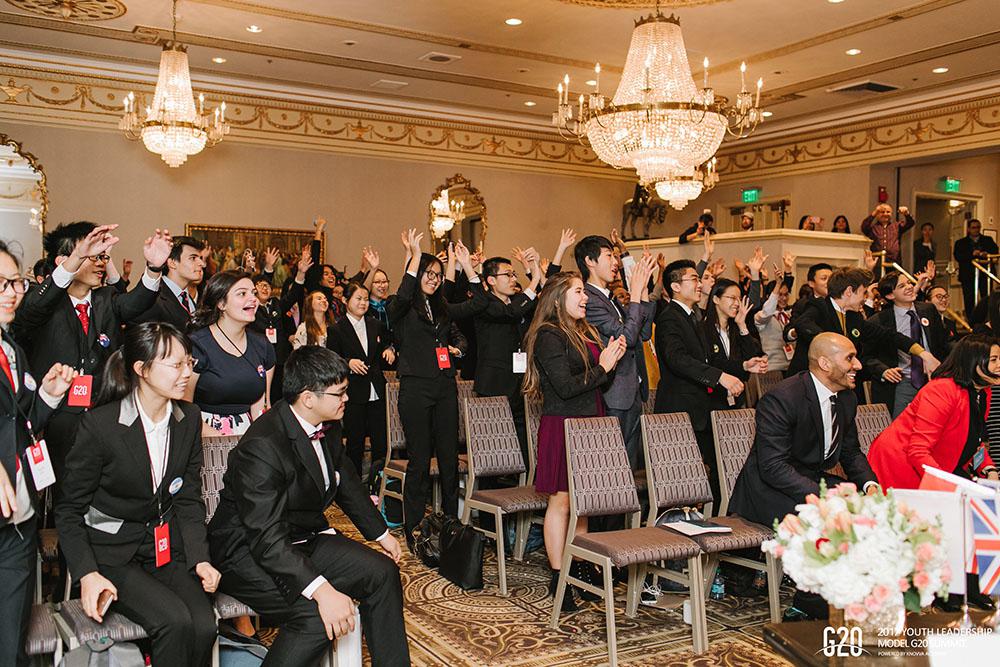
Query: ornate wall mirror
x,y
24,201
457,212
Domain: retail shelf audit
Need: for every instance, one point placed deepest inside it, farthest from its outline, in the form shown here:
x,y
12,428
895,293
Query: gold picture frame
x,y
229,244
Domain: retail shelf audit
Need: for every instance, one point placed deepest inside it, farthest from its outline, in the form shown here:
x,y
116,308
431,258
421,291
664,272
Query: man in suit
x,y
897,376
270,537
840,312
817,278
973,246
630,385
805,426
174,302
939,297
270,320
686,378
72,320
19,506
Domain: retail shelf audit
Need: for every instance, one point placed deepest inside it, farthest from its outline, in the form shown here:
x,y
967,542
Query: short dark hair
x,y
934,287
927,224
675,271
973,220
816,268
707,218
180,242
492,266
590,247
5,249
261,278
888,283
216,290
63,239
42,267
353,287
311,368
970,356
849,276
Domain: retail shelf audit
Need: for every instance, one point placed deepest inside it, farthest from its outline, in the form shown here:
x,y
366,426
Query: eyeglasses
x,y
20,285
731,298
187,363
380,282
99,258
509,274
432,276
696,279
335,394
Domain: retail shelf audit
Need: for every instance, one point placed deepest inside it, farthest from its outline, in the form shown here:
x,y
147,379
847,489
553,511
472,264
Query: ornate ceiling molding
x,y
642,4
76,10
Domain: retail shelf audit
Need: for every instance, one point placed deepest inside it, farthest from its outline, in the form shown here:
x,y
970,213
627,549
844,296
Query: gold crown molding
x,y
642,4
937,130
77,10
41,186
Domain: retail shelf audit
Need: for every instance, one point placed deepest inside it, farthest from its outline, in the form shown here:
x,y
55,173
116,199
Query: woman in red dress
x,y
944,426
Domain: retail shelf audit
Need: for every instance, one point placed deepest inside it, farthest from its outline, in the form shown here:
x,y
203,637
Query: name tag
x,y
161,538
272,335
79,392
520,362
41,465
789,350
979,457
443,357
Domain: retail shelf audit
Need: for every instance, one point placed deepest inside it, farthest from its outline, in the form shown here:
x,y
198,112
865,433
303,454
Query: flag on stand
x,y
935,479
986,537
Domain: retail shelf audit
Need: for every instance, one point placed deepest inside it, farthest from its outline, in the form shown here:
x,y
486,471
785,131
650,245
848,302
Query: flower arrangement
x,y
867,555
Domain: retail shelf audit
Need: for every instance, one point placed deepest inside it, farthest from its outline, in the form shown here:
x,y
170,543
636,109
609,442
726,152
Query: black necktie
x,y
834,425
918,378
185,301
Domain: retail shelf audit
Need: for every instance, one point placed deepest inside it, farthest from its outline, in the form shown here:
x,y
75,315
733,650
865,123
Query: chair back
x,y
464,393
390,376
760,384
600,479
394,425
871,420
650,402
675,470
734,431
492,442
532,417
215,454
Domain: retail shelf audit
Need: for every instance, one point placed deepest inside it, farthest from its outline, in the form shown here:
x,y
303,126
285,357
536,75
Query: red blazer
x,y
932,430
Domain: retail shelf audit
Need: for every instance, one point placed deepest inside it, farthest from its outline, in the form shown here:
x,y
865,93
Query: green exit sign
x,y
951,184
751,195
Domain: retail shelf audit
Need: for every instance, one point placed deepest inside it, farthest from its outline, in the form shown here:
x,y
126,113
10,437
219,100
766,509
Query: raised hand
x,y
709,244
717,268
517,253
371,257
788,260
870,260
156,249
462,255
57,381
249,261
543,264
413,239
97,242
741,313
567,238
756,262
305,261
271,256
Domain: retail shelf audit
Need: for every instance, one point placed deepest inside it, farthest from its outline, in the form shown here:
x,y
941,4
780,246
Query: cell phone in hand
x,y
104,601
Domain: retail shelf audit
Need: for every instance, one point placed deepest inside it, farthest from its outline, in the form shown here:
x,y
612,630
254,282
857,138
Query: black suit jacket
x,y
881,355
272,314
273,496
500,329
786,460
15,410
819,316
106,507
343,340
167,308
48,327
686,375
963,255
570,385
741,348
417,337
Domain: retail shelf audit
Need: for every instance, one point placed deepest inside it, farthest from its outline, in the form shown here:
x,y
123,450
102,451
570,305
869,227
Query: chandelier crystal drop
x,y
659,122
445,214
172,127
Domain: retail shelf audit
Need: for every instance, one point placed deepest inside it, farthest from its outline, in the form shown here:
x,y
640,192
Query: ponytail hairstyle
x,y
144,343
313,329
216,290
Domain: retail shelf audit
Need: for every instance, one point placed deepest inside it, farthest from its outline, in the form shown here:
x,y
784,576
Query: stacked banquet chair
x,y
601,483
494,451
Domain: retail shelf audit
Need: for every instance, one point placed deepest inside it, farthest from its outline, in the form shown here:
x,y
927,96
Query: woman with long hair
x,y
566,370
130,516
732,347
428,344
362,341
841,225
317,319
379,296
234,365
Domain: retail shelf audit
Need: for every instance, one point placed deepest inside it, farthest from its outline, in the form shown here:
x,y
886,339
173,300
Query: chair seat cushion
x,y
514,499
399,465
638,545
745,535
42,636
48,544
229,607
115,626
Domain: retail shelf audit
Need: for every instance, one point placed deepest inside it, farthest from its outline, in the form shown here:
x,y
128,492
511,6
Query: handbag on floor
x,y
427,539
462,555
104,652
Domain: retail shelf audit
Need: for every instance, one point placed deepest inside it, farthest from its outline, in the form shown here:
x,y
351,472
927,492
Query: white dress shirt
x,y
176,290
361,329
157,441
825,411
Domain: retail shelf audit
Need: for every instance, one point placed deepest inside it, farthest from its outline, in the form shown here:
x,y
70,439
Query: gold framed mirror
x,y
457,212
24,201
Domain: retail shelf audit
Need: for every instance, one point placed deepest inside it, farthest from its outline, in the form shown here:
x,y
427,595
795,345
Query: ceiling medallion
x,y
77,10
642,4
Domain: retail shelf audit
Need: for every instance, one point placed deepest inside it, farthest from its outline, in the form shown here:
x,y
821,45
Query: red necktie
x,y
81,312
5,367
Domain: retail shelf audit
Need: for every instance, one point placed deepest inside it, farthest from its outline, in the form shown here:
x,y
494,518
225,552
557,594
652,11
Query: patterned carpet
x,y
448,626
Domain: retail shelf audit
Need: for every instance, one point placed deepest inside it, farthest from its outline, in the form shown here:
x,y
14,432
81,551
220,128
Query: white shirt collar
x,y
822,391
836,306
684,306
603,290
148,425
310,429
76,302
356,321
900,310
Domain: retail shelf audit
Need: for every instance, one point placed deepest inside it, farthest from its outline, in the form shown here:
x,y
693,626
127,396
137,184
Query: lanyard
x,y
162,469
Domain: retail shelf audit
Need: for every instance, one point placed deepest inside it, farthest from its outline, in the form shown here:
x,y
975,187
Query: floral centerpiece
x,y
870,556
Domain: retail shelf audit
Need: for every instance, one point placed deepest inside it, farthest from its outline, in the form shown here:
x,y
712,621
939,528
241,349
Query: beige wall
x,y
101,176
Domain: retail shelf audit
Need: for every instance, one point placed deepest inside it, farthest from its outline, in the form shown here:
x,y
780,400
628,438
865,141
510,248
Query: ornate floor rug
x,y
450,627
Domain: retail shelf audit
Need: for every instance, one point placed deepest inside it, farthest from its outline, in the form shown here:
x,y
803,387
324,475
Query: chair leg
x,y
609,612
501,551
773,585
710,566
523,526
38,578
436,494
466,512
699,624
636,575
215,652
561,587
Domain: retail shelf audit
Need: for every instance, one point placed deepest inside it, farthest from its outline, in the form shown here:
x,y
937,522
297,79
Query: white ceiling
x,y
798,46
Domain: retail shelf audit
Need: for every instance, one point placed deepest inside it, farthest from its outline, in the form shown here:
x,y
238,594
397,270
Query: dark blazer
x,y
108,482
686,235
963,255
167,308
786,460
343,340
14,410
741,348
272,314
685,373
820,316
636,324
881,354
922,254
48,327
570,384
500,329
273,497
417,337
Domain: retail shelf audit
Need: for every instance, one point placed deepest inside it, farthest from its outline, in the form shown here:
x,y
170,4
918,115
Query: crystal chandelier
x,y
172,128
445,213
659,123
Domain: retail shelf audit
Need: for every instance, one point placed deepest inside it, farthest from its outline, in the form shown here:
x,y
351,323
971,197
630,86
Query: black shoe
x,y
793,615
409,540
586,572
952,605
980,601
568,603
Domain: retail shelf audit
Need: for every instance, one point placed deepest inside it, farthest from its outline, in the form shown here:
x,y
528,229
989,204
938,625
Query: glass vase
x,y
889,622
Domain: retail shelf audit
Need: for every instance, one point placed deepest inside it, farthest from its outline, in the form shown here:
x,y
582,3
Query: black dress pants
x,y
18,546
353,569
428,408
363,420
170,605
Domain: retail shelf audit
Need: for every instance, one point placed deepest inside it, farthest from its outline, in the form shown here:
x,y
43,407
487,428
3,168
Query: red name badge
x,y
161,537
79,392
444,359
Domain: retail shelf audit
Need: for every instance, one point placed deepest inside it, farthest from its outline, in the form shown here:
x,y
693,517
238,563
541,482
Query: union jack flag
x,y
986,536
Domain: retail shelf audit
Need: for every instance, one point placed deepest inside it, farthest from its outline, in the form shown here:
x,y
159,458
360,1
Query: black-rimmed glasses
x,y
20,285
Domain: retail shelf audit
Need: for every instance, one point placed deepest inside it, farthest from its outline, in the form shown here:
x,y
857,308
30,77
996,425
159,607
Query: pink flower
x,y
855,612
881,592
946,573
904,585
925,551
812,499
865,521
779,551
844,547
847,487
872,604
921,580
842,522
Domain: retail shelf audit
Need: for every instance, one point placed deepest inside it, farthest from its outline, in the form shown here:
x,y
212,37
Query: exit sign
x,y
751,195
951,184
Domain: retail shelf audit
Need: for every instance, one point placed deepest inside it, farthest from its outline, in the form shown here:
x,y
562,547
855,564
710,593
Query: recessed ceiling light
x,y
766,114
529,103
939,70
590,82
218,60
254,29
513,21
853,52
835,2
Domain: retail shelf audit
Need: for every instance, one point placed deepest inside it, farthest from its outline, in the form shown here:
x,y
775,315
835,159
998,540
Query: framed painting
x,y
229,243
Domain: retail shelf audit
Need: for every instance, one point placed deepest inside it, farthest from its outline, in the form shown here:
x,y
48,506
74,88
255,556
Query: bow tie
x,y
320,433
